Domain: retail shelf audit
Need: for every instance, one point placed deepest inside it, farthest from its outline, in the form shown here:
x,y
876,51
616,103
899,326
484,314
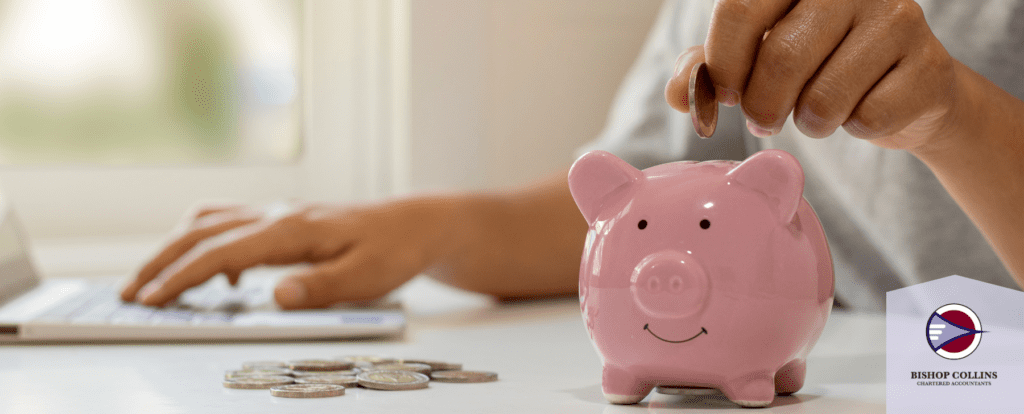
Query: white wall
x,y
503,91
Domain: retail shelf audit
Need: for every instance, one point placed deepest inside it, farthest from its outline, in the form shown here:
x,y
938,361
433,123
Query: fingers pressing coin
x,y
703,104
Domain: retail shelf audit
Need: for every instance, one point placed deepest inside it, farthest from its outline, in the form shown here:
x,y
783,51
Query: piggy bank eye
x,y
642,224
704,224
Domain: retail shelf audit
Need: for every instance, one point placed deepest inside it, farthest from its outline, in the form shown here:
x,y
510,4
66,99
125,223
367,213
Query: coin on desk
x,y
303,374
464,377
346,380
393,380
420,368
307,391
680,390
257,383
263,364
435,365
320,365
257,372
365,361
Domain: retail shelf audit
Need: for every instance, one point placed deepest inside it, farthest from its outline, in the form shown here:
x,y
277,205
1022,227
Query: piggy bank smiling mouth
x,y
702,331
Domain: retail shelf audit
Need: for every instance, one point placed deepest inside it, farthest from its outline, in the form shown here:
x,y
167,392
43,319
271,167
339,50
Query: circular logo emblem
x,y
954,331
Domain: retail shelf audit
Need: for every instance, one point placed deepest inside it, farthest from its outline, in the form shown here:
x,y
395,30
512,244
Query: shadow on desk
x,y
810,400
659,401
719,401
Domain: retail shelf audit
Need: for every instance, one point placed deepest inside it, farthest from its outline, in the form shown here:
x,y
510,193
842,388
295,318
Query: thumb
x,y
349,277
676,91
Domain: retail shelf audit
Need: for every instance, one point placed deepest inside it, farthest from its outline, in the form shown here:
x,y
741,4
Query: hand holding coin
x,y
703,105
872,67
700,100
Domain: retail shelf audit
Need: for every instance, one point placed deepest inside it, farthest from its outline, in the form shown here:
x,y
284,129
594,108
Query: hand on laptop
x,y
514,244
356,252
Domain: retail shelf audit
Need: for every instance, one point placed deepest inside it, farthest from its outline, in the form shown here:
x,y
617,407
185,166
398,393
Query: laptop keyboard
x,y
204,305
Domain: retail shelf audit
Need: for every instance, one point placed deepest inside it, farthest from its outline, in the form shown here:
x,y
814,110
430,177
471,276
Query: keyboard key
x,y
286,319
212,318
171,317
98,313
131,314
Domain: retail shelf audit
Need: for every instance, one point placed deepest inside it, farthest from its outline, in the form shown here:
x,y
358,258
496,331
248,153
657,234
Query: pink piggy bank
x,y
708,275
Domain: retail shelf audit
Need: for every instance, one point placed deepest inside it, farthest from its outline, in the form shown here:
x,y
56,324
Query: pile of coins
x,y
319,378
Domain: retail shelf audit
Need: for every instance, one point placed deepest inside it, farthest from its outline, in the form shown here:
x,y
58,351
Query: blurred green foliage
x,y
193,118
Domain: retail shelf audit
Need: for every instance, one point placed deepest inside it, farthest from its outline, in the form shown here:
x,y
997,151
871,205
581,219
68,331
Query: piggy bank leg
x,y
790,377
622,387
755,390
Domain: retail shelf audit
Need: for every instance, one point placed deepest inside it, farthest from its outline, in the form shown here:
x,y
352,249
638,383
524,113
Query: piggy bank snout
x,y
669,285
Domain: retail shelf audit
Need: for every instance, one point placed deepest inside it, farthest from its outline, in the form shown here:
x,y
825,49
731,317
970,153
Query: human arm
x,y
519,243
979,159
523,243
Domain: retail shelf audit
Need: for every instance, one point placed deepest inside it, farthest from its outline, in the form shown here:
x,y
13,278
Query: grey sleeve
x,y
641,128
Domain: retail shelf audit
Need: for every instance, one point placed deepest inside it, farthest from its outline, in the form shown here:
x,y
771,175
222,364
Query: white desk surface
x,y
540,349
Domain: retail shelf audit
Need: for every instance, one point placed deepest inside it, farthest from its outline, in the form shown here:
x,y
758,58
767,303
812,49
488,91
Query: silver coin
x,y
464,377
346,380
703,104
257,383
373,359
308,391
420,368
681,390
320,365
303,374
256,372
435,365
263,364
393,380
366,361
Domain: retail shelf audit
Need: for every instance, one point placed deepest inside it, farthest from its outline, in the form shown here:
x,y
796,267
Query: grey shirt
x,y
889,222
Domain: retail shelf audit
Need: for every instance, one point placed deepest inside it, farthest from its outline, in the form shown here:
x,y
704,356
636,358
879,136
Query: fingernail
x,y
758,131
727,97
290,293
679,62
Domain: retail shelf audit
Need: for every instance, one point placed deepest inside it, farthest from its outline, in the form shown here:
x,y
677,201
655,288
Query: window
x,y
144,82
117,115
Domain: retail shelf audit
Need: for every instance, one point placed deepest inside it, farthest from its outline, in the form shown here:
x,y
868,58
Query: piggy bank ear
x,y
600,180
777,176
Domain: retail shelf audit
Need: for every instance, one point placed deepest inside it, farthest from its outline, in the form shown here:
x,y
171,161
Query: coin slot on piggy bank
x,y
701,276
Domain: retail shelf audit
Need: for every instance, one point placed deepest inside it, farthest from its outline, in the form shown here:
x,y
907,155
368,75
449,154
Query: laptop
x,y
77,310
